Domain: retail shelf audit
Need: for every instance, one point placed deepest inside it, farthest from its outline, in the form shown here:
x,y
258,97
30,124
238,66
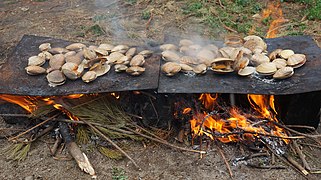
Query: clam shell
x,y
212,48
258,59
185,68
252,42
135,70
279,62
100,69
107,47
123,60
113,57
74,59
137,60
89,54
71,70
195,47
56,78
70,53
44,47
233,40
285,54
168,47
120,48
246,71
185,42
283,73
229,52
266,68
171,68
222,65
89,76
45,54
75,46
57,61
101,52
200,69
36,61
186,50
241,63
275,54
120,67
296,60
146,53
35,70
188,60
170,56
205,56
131,52
58,50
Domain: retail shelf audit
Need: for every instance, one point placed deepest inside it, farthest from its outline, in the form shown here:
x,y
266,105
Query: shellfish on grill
x,y
89,76
146,53
275,54
100,69
89,54
72,70
285,54
75,46
296,60
279,62
283,73
168,47
222,65
35,70
268,68
45,54
258,59
130,52
205,56
36,61
114,56
44,46
185,42
58,50
186,68
135,70
253,42
107,47
246,71
200,69
189,60
56,62
170,56
137,60
233,40
120,67
171,68
56,78
120,48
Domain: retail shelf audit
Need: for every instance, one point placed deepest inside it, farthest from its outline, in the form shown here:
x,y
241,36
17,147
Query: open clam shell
x,y
135,70
266,68
100,69
275,54
72,70
44,46
171,68
246,71
283,73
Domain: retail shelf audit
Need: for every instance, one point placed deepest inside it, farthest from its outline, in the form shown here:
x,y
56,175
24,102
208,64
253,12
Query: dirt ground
x,y
97,21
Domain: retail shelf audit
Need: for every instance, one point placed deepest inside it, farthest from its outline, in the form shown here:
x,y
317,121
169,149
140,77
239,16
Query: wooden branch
x,y
300,126
225,160
297,165
294,131
75,151
301,155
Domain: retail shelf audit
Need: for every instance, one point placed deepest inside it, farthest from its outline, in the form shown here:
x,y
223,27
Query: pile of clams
x,y
77,61
245,56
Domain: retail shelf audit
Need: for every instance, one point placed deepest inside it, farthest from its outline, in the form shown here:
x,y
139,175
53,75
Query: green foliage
x,y
18,151
195,8
145,14
118,174
313,9
96,30
110,153
131,2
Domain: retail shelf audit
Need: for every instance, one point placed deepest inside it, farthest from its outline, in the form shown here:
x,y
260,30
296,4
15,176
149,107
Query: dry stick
x,y
15,115
284,160
225,160
301,126
54,148
219,1
157,116
294,131
165,142
297,165
313,145
111,142
135,116
301,155
40,124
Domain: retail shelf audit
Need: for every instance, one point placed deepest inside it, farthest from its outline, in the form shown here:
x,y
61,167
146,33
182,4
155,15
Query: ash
x,y
263,79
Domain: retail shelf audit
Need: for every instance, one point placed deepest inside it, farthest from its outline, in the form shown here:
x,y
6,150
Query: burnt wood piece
x,y
305,79
15,80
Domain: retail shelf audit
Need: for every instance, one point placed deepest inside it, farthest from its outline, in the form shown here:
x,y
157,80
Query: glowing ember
x,y
274,11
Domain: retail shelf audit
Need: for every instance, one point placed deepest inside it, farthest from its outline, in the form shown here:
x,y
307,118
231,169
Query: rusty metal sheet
x,y
305,79
14,79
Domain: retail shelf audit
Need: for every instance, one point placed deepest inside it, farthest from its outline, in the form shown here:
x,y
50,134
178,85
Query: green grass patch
x,y
118,174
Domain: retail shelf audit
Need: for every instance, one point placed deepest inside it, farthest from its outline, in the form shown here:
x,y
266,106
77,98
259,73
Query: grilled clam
x,y
75,46
275,54
56,78
120,48
45,54
89,76
188,60
123,60
233,40
186,68
70,53
229,52
171,68
252,42
285,54
170,56
258,59
279,62
137,60
296,60
35,70
222,65
200,69
36,61
100,69
185,42
107,47
74,59
246,71
113,57
146,53
71,70
268,68
131,52
57,61
89,54
44,47
212,48
58,50
101,52
168,47
241,63
283,73
205,56
135,70
120,67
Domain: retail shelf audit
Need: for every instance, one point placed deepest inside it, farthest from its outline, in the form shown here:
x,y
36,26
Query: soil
x,y
97,21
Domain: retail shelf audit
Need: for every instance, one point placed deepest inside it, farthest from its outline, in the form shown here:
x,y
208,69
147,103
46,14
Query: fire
x,y
26,102
274,11
233,125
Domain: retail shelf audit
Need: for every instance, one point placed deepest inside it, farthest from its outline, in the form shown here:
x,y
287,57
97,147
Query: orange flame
x,y
26,102
274,11
207,100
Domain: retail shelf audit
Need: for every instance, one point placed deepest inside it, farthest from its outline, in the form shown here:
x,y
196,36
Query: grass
x,y
118,174
313,9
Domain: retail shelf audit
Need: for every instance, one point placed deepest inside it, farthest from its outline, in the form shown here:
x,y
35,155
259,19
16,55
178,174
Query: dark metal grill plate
x,y
15,80
305,79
